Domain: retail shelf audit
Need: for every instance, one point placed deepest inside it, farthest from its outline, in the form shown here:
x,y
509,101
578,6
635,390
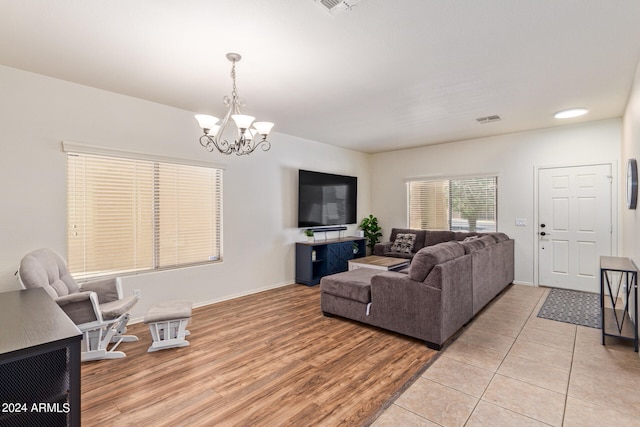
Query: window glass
x,y
465,204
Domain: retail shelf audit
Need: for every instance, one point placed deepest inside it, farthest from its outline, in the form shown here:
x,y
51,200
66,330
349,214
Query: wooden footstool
x,y
167,323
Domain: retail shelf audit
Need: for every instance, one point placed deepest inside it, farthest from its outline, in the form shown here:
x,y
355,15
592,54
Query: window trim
x,y
451,177
80,148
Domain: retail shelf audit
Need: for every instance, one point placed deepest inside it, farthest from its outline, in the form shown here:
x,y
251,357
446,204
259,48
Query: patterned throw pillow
x,y
403,243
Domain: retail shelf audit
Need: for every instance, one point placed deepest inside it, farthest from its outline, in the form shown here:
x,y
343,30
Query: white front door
x,y
574,225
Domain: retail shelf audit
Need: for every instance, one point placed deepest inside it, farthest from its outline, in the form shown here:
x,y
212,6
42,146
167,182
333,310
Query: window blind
x,y
467,204
429,205
131,215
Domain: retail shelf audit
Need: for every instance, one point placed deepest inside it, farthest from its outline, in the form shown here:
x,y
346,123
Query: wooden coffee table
x,y
378,262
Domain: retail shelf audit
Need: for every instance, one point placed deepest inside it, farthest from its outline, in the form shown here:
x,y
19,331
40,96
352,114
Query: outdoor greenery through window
x,y
129,215
465,204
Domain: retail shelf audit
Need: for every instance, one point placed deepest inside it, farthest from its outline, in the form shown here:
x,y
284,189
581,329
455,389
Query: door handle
x,y
542,233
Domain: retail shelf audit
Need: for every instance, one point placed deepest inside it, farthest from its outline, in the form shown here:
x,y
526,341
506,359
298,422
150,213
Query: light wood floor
x,y
267,359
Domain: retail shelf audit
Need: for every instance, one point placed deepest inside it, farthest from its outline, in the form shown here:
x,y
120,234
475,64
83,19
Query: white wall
x,y
260,191
514,157
631,150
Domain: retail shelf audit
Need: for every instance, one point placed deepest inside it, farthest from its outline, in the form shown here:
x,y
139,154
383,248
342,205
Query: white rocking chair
x,y
97,308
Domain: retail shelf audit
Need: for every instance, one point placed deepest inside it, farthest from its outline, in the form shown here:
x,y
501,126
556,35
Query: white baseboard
x,y
140,319
518,282
242,294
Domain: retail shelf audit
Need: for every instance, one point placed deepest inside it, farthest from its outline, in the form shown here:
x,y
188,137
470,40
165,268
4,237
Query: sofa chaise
x,y
445,285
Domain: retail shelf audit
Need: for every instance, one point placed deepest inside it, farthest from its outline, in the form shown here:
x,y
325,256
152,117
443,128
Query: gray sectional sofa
x,y
446,284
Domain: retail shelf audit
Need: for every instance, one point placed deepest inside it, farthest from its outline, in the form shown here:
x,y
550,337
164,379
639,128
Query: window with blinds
x,y
467,204
129,215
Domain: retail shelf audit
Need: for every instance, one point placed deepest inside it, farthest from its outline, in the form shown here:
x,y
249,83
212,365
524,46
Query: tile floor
x,y
511,368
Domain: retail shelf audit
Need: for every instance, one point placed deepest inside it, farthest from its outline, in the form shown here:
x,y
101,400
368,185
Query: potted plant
x,y
355,248
309,233
372,231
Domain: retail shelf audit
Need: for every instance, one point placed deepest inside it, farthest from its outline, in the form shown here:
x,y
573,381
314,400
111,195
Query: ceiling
x,y
382,76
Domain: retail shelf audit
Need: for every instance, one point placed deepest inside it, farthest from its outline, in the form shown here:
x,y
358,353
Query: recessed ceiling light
x,y
568,114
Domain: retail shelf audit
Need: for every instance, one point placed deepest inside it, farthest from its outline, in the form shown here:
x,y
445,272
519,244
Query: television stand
x,y
317,259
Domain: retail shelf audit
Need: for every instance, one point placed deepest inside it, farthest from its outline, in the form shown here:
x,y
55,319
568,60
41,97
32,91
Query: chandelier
x,y
248,138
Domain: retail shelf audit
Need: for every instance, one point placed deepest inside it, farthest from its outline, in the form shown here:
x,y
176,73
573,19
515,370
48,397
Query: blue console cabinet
x,y
324,257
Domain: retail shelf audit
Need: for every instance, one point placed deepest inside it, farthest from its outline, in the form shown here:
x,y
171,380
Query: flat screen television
x,y
326,199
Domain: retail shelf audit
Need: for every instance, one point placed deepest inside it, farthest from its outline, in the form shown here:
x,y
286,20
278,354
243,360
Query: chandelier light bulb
x,y
263,128
213,130
243,121
205,121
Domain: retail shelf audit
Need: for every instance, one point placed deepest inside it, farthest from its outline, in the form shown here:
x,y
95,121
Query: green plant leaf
x,y
372,231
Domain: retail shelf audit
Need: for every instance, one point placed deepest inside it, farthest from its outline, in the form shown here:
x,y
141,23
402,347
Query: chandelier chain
x,y
234,92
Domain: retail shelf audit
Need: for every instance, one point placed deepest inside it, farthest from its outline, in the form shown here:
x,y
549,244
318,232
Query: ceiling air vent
x,y
335,7
489,119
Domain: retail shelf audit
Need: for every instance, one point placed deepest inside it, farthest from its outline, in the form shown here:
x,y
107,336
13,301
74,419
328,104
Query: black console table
x,y
39,362
324,257
618,297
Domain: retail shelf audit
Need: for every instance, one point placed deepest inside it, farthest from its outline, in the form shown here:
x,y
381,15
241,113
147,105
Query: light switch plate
x,y
521,222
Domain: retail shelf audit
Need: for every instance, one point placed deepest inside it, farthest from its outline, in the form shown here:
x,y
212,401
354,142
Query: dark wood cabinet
x,y
317,259
39,362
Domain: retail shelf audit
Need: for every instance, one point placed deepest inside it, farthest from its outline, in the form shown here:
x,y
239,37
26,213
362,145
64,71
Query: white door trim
x,y
615,212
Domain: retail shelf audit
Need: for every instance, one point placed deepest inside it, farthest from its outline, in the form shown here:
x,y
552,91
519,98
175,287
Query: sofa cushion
x,y
354,284
419,240
403,243
499,237
460,236
404,255
487,240
472,245
427,258
434,237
